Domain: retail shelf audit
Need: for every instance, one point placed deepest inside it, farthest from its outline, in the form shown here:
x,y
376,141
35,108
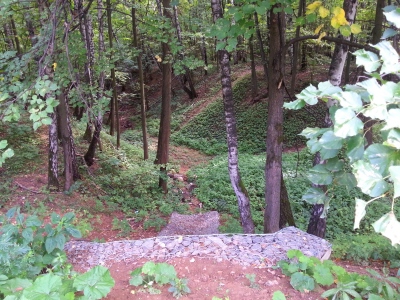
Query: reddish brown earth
x,y
207,278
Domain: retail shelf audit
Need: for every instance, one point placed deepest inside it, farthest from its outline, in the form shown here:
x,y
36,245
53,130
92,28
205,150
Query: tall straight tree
x,y
141,82
317,223
273,166
164,132
231,132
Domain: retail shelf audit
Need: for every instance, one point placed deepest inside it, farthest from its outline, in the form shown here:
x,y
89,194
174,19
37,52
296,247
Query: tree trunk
x,y
286,214
230,121
296,52
261,46
317,223
273,167
52,174
165,119
97,120
141,82
70,164
187,77
254,83
204,54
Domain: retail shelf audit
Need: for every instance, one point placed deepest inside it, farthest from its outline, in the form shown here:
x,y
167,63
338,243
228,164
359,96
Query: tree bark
x,y
165,119
254,83
98,120
231,132
296,52
261,46
286,214
273,167
142,92
52,174
187,77
70,164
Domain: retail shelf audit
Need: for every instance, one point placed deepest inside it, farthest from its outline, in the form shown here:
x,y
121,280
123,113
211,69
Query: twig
x,y
25,188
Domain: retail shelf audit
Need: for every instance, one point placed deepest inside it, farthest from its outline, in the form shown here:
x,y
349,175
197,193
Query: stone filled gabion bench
x,y
259,250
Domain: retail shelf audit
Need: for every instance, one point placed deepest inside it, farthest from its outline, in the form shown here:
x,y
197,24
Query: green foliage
x,y
206,132
154,221
33,264
375,170
363,248
307,273
159,273
123,226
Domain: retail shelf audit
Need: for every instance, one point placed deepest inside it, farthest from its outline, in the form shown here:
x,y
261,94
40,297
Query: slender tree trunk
x,y
254,83
7,36
296,52
15,34
204,54
231,132
273,167
165,120
52,174
97,120
142,92
261,46
317,223
187,77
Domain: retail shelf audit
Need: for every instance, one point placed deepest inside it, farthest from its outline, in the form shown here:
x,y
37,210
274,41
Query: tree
x,y
231,132
165,119
273,166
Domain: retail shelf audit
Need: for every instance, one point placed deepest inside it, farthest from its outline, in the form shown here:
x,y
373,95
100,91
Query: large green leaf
x,y
311,133
302,282
309,95
360,212
328,153
393,138
314,145
355,148
382,157
346,179
369,180
296,104
369,60
389,227
393,16
323,275
347,123
378,96
45,287
320,175
278,295
395,177
95,283
326,88
315,196
392,120
349,99
330,141
53,242
334,164
12,286
389,56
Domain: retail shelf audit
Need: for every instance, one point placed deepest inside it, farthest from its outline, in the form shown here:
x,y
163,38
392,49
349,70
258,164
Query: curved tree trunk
x,y
230,121
273,166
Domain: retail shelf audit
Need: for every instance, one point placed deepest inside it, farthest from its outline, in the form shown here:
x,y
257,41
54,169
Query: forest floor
x,y
207,278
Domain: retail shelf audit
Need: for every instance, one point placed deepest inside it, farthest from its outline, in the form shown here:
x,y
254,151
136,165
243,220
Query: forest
x,y
277,113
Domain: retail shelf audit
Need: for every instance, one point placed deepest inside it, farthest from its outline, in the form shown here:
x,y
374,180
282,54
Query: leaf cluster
x,y
151,274
374,170
33,264
306,273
